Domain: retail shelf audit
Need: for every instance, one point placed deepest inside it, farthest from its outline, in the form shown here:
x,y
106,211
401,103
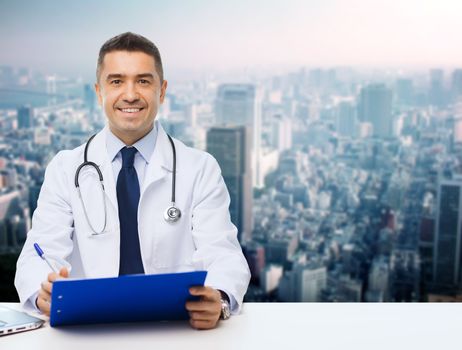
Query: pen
x,y
43,256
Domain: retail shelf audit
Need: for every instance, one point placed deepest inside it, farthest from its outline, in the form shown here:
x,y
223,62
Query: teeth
x,y
130,110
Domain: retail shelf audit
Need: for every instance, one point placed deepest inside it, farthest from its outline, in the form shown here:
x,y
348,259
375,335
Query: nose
x,y
130,94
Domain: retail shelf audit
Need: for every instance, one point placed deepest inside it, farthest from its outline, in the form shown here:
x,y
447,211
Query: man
x,y
135,158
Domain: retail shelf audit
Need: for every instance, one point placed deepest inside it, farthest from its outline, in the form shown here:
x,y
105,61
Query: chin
x,y
132,126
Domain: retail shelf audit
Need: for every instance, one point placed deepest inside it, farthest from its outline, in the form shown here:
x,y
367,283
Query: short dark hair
x,y
130,42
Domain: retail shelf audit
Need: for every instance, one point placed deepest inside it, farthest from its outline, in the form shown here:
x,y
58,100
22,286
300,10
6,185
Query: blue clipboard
x,y
131,298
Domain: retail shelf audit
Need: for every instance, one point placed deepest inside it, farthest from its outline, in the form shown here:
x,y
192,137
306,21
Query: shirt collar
x,y
145,145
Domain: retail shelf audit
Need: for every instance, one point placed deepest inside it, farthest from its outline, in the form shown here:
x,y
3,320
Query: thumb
x,y
64,272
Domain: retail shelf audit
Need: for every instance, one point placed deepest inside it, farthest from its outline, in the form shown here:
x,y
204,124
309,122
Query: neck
x,y
131,137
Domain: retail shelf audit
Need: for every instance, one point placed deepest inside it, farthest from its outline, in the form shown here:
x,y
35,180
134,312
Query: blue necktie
x,y
128,196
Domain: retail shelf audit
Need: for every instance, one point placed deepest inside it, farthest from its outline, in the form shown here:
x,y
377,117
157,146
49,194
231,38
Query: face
x,y
130,92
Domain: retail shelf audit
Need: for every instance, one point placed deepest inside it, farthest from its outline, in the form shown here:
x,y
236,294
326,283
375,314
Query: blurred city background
x,y
338,128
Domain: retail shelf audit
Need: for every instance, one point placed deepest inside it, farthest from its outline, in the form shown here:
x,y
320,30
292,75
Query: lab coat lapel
x,y
161,162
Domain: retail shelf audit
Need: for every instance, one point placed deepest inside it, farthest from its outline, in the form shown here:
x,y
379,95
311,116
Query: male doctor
x,y
135,157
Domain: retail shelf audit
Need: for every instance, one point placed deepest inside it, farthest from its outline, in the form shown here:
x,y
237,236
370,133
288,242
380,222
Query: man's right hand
x,y
44,295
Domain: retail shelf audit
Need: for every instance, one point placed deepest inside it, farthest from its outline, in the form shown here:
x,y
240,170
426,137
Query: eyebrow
x,y
118,76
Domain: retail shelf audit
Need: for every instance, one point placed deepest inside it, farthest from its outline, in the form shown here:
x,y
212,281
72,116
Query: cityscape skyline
x,y
350,208
337,126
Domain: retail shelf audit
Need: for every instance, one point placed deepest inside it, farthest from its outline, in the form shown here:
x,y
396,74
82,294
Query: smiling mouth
x,y
130,110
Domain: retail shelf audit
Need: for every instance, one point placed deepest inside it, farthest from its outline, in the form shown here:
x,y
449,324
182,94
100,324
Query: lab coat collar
x,y
159,166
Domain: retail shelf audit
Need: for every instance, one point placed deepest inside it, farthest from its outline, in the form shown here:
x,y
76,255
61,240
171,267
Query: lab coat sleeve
x,y
52,228
217,248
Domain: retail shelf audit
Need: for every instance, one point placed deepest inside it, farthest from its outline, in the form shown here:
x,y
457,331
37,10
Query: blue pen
x,y
43,256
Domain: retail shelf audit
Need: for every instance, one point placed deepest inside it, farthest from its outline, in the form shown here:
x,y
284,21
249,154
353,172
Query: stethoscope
x,y
171,215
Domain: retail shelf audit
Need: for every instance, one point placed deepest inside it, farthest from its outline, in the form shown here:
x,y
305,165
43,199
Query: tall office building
x,y
405,275
405,92
14,221
255,255
90,97
25,117
375,104
304,283
346,123
457,129
378,278
281,132
437,96
310,281
457,83
230,146
240,104
448,233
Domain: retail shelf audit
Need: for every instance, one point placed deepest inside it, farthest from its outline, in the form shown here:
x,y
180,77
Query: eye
x,y
144,81
116,82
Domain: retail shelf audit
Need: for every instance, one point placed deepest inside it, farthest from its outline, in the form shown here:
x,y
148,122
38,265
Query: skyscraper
x,y
304,283
437,94
457,83
230,146
240,104
346,123
375,103
405,92
447,248
90,97
25,117
309,282
281,133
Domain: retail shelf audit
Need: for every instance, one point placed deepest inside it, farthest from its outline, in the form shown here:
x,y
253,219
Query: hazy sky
x,y
64,36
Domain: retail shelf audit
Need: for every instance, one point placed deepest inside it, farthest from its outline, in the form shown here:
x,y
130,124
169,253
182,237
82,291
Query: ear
x,y
163,91
98,94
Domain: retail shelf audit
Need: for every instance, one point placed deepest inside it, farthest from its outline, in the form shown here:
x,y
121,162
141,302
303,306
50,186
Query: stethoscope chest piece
x,y
172,214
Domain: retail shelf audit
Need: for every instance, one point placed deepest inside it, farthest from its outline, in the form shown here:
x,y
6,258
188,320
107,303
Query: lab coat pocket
x,y
100,253
174,247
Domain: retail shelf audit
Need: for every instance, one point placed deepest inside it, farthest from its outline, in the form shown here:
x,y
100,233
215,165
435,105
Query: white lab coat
x,y
203,239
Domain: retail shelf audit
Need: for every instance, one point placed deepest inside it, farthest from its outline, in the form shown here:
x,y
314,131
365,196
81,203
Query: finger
x,y
203,315
47,286
53,276
44,306
202,306
44,295
64,272
201,290
206,292
202,324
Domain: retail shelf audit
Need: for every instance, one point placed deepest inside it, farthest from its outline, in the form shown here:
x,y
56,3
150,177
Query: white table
x,y
269,326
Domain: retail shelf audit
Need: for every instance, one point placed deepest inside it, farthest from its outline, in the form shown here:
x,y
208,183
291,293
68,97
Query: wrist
x,y
225,306
224,296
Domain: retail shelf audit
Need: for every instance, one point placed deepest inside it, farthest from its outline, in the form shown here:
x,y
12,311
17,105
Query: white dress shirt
x,y
145,147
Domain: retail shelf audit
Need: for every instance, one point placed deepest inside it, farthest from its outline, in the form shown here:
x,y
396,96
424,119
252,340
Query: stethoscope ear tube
x,y
103,192
94,165
87,163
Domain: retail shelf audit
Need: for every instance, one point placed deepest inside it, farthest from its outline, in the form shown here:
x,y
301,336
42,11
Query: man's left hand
x,y
204,313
